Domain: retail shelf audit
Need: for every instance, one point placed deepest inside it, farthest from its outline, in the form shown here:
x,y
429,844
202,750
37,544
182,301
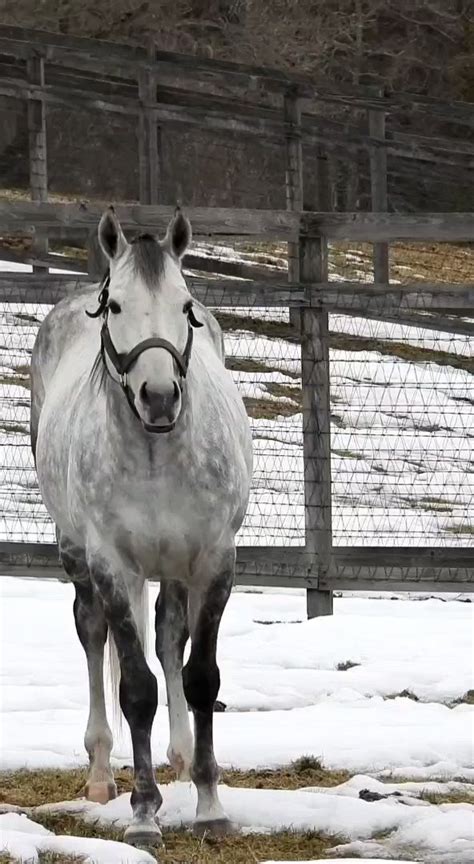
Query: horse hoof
x,y
214,828
101,792
144,834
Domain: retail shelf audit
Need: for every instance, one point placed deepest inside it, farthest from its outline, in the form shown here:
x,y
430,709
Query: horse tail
x,y
139,607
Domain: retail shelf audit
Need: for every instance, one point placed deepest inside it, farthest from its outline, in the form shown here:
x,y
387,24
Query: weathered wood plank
x,y
379,227
148,159
353,568
14,38
293,172
211,292
412,145
278,566
272,224
37,147
345,136
238,269
177,107
192,261
268,126
316,423
379,192
293,182
357,299
394,315
65,95
96,260
219,121
41,260
430,568
217,221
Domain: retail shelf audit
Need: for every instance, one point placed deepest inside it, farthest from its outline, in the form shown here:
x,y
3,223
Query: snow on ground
x,y
284,694
23,839
265,810
402,817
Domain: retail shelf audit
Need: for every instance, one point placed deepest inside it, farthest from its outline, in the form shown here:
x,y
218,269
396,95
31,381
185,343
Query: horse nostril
x,y
175,391
144,395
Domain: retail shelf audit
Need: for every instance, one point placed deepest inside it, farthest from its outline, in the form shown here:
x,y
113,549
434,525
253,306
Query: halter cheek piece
x,y
122,363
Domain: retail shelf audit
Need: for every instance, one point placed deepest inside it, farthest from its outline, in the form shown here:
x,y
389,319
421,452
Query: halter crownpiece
x,y
123,362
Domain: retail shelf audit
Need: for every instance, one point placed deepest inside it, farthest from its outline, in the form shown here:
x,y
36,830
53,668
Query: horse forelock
x,y
148,259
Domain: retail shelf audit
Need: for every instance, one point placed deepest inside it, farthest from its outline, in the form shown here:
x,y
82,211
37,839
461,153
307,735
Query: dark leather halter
x,y
122,363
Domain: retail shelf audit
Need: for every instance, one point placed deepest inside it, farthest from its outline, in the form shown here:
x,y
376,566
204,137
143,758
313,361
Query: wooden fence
x,y
160,88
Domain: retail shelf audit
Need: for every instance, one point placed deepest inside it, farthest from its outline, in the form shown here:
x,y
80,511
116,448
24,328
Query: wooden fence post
x,y
96,261
316,424
307,261
148,135
293,183
378,182
36,114
324,193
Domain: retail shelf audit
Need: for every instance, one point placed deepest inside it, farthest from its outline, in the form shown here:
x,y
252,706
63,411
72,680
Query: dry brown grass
x,y
461,797
409,262
32,788
181,847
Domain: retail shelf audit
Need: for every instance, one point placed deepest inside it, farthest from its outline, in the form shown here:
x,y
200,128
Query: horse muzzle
x,y
159,409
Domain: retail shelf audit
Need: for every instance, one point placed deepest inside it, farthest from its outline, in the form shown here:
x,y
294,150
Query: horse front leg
x,y
201,681
92,631
171,623
138,693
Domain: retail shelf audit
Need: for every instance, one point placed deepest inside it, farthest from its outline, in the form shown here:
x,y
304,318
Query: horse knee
x,y
139,698
201,682
89,618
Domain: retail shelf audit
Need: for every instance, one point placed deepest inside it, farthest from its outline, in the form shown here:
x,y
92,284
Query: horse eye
x,y
114,307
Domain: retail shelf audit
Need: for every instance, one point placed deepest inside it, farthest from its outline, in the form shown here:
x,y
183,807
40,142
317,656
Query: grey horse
x,y
143,453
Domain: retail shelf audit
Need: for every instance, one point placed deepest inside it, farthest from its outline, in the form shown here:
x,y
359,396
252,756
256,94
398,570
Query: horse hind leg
x,y
171,636
92,631
201,685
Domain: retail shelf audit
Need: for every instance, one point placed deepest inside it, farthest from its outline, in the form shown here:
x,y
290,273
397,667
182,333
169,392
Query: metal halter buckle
x,y
123,379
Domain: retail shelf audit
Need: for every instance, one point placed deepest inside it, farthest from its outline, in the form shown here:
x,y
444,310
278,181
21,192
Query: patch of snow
x,y
444,836
23,839
435,830
284,694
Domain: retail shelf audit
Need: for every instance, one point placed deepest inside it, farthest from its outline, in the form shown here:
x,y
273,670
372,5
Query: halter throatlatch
x,y
122,363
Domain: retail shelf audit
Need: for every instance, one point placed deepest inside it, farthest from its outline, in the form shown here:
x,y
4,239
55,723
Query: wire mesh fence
x,y
402,412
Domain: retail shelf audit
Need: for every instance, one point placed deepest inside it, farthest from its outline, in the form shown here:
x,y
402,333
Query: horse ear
x,y
178,235
111,236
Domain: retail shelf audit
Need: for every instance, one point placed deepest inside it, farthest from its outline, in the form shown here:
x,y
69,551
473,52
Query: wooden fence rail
x,y
158,87
353,568
354,298
99,56
28,217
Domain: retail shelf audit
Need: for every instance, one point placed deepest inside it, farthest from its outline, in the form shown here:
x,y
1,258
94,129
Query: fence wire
x,y
402,423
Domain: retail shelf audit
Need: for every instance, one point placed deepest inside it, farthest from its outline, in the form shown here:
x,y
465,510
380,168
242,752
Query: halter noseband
x,y
122,363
